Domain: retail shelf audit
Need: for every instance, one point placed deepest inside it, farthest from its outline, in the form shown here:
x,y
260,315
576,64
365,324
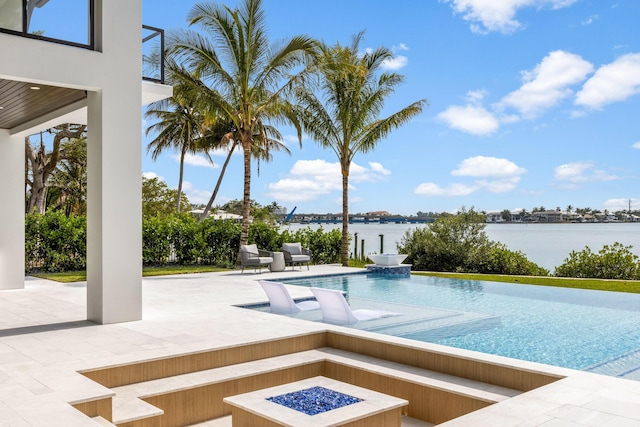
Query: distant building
x,y
379,213
494,216
549,216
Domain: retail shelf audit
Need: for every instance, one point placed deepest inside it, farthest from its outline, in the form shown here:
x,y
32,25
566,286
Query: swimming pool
x,y
574,328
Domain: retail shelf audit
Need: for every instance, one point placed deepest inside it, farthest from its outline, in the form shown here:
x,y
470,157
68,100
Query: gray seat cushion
x,y
292,248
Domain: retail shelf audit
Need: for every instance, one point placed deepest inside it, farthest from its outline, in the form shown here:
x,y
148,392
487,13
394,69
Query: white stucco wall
x,y
11,211
112,79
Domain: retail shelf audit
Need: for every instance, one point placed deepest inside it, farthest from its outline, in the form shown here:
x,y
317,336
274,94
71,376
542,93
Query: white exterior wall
x,y
114,217
112,78
11,211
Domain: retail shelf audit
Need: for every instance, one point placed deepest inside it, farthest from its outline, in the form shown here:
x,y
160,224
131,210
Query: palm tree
x,y
346,120
228,138
180,125
239,72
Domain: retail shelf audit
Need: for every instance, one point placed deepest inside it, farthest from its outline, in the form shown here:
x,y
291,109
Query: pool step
x,y
458,323
626,366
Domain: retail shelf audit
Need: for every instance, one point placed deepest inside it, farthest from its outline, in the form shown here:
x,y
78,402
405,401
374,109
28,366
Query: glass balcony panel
x,y
152,54
66,20
11,15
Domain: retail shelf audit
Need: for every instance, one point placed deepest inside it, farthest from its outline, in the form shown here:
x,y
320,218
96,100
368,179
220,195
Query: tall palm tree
x,y
345,118
268,140
180,126
239,72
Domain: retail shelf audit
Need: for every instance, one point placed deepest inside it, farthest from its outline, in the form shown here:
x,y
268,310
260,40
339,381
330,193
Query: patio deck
x,y
45,340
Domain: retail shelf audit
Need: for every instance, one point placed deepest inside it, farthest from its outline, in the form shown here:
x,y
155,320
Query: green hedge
x,y
54,242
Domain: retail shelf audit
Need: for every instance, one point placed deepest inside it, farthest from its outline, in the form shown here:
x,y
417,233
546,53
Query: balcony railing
x,y
61,21
152,54
69,22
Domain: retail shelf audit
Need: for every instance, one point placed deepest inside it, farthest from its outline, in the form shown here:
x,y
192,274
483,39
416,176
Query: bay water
x,y
548,245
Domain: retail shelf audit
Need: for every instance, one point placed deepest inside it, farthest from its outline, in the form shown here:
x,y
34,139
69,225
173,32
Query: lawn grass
x,y
632,286
81,276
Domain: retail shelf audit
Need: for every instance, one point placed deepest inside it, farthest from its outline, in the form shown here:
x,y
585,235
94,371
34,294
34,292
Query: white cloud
x,y
612,83
194,160
499,176
499,15
636,145
311,179
195,195
570,175
493,167
547,84
470,119
378,168
400,46
614,205
151,175
589,20
395,63
502,185
430,189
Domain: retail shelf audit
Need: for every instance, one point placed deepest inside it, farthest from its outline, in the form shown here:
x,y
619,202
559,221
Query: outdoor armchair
x,y
251,256
294,253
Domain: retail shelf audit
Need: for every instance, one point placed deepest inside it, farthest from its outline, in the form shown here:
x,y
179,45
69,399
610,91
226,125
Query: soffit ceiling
x,y
19,103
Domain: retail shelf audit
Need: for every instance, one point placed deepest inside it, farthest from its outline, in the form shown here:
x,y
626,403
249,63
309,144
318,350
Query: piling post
x,y
381,243
355,246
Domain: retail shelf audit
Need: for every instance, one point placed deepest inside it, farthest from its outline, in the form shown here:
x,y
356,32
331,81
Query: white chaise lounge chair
x,y
280,300
336,309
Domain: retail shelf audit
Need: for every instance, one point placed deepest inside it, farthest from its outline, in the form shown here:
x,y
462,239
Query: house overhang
x,y
27,111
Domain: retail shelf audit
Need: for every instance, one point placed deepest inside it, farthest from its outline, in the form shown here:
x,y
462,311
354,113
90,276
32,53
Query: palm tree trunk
x,y
247,141
182,154
344,249
215,190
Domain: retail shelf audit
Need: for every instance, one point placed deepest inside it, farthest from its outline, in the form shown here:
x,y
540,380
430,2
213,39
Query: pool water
x,y
573,328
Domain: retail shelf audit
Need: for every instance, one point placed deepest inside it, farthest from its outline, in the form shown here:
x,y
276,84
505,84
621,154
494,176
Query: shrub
x,y
265,236
156,244
222,240
502,260
55,242
31,241
324,246
611,262
458,243
186,239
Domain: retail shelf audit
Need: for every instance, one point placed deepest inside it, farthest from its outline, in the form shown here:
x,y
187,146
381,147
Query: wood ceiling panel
x,y
21,104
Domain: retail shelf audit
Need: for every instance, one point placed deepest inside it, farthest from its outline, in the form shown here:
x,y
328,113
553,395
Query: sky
x,y
531,103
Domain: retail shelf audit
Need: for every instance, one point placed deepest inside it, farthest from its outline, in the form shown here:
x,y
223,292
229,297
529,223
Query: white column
x,y
114,212
11,211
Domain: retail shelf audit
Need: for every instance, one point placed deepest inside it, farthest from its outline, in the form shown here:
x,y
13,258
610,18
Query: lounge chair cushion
x,y
293,248
252,250
300,258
